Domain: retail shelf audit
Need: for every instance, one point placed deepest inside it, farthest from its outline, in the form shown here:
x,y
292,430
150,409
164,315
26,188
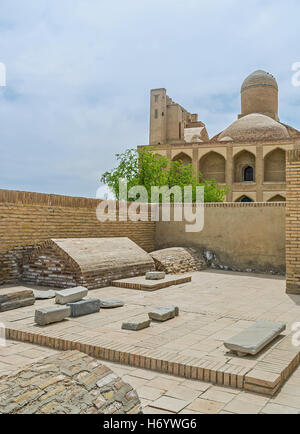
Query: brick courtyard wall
x,y
293,222
26,219
242,235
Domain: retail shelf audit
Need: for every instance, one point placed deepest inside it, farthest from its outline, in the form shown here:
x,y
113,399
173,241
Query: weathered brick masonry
x,y
27,219
89,262
67,383
293,221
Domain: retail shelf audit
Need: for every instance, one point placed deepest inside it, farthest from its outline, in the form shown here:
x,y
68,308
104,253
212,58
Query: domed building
x,y
248,156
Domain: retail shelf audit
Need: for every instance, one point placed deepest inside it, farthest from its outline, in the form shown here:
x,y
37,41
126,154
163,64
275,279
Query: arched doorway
x,y
212,166
248,173
277,198
244,167
183,157
274,166
244,199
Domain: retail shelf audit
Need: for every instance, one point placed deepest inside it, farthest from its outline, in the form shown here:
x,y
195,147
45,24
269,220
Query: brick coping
x,y
28,198
267,377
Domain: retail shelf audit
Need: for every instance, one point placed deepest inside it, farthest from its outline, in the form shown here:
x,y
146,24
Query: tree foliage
x,y
145,168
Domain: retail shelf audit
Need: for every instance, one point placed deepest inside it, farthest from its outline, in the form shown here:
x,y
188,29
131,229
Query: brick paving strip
x,y
268,375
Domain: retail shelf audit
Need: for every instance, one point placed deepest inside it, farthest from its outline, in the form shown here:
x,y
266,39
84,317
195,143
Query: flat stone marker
x,y
171,306
136,323
51,314
155,275
163,313
84,307
255,338
44,295
70,295
13,299
110,303
142,284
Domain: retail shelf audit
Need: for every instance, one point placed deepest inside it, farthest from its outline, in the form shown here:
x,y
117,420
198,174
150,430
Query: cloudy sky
x,y
79,74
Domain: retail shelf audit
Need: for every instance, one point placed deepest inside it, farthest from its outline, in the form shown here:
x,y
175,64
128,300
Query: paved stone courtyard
x,y
163,394
214,306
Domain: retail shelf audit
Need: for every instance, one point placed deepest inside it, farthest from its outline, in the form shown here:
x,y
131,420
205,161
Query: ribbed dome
x,y
259,78
255,127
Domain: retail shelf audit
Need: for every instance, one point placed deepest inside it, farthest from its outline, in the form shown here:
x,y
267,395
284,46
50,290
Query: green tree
x,y
143,167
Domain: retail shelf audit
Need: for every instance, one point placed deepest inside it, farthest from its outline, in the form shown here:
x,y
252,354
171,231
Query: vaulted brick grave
x,y
89,262
178,260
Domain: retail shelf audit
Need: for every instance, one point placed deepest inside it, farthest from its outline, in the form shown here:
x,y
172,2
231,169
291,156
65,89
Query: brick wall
x,y
293,222
242,235
27,219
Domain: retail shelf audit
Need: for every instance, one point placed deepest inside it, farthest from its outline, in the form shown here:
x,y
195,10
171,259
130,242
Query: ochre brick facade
x,y
26,219
293,222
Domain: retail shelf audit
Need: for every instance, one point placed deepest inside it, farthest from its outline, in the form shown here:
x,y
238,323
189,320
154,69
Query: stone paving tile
x,y
186,411
4,366
32,354
142,373
291,389
169,404
184,393
293,381
271,408
225,412
243,406
215,394
196,385
134,381
14,359
164,383
150,393
205,406
254,398
153,410
287,399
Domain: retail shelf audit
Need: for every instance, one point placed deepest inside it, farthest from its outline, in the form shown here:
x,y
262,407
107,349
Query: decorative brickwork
x,y
293,222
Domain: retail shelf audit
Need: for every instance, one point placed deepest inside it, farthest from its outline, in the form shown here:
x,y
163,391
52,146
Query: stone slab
x,y
255,338
171,306
163,313
111,303
13,299
142,284
44,295
70,295
136,323
155,275
84,307
51,314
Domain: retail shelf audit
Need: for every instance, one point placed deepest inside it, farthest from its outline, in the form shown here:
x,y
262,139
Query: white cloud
x,y
79,74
